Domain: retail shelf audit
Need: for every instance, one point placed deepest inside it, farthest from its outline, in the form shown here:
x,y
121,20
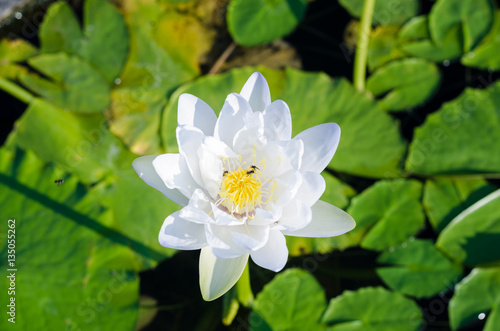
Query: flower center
x,y
241,190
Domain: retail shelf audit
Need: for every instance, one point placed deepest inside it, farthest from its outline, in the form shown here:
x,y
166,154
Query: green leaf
x,y
484,56
60,30
472,17
405,83
476,294
472,237
414,39
293,300
71,273
440,146
105,38
386,214
81,145
11,53
74,84
419,269
257,22
372,309
103,42
444,199
383,46
386,12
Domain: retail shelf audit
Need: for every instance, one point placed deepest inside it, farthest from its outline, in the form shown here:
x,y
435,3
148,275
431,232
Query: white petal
x,y
145,169
211,171
281,157
250,238
198,209
181,234
189,139
312,188
327,221
221,242
278,121
195,112
223,217
252,134
320,143
218,275
256,92
172,168
296,215
274,254
287,187
232,117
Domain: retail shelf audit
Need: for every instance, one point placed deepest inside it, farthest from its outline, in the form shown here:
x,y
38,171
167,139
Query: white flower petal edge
x,y
218,275
327,221
195,112
145,169
274,254
256,92
320,143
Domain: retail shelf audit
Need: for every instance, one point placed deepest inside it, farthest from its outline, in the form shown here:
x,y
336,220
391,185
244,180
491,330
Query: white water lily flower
x,y
243,183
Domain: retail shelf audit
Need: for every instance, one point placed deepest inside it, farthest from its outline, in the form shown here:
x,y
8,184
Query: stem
x,y
220,61
362,45
243,288
16,91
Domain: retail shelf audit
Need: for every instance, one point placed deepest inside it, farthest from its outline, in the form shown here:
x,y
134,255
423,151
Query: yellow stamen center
x,y
241,190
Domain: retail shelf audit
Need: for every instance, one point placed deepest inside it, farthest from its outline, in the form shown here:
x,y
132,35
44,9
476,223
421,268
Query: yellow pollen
x,y
241,190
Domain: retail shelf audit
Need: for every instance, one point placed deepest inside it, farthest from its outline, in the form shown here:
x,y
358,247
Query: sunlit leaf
x,y
60,30
484,56
74,84
372,309
13,52
477,294
260,21
293,300
405,83
386,12
418,269
79,144
444,199
71,273
462,137
386,214
473,236
472,17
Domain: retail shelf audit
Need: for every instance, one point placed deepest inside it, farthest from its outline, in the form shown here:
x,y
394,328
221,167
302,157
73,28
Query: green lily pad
x,y
313,99
293,300
70,274
472,237
473,18
414,38
383,46
385,12
103,41
476,294
81,145
13,52
484,56
405,83
372,309
440,145
252,23
444,198
74,84
418,269
386,214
